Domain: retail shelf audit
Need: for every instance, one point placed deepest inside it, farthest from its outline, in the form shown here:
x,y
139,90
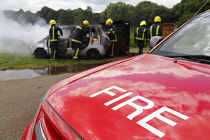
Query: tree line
x,y
144,10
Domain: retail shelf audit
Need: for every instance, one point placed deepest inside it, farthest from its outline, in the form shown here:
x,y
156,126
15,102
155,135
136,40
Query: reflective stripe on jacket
x,y
141,33
111,31
79,33
155,30
53,33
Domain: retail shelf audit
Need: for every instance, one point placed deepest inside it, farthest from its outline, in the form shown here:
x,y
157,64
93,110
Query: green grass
x,y
15,61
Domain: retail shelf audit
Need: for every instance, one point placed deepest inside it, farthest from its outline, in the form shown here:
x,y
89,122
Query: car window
x,y
191,39
93,31
66,32
71,31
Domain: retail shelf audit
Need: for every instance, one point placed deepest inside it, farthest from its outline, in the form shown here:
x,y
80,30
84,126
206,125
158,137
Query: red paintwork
x,y
28,131
181,86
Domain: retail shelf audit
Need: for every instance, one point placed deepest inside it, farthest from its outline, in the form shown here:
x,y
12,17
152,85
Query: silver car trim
x,y
39,132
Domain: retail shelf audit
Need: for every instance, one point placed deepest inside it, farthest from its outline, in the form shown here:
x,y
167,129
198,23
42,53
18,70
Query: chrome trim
x,y
39,132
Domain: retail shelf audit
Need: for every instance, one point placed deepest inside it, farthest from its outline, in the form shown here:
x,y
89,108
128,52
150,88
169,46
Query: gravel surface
x,y
19,100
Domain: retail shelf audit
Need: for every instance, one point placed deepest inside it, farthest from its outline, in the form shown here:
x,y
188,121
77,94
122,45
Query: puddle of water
x,y
32,73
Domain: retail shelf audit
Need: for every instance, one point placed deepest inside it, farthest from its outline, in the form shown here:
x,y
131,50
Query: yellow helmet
x,y
86,23
52,22
157,19
109,21
143,23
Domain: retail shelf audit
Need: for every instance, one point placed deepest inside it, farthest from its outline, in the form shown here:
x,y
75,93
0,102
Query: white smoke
x,y
17,38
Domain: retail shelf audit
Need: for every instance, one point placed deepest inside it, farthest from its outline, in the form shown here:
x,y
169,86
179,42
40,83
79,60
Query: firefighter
x,y
156,28
79,34
53,34
111,31
141,35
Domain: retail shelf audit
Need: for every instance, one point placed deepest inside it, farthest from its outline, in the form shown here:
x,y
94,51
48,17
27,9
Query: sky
x,y
96,5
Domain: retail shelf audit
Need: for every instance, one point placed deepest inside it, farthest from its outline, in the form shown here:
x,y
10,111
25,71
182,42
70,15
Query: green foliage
x,y
119,11
20,16
186,9
44,12
148,10
52,14
27,17
144,10
103,16
78,15
96,18
65,17
88,14
132,43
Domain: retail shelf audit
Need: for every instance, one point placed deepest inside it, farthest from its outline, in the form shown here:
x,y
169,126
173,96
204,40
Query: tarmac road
x,y
19,100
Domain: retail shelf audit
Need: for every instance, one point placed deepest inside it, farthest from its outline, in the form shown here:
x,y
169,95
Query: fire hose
x,y
123,50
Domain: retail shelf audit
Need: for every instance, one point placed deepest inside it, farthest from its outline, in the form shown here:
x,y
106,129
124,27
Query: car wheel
x,y
93,54
40,53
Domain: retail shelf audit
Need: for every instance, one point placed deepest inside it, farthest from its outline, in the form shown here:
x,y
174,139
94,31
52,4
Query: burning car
x,y
163,95
94,46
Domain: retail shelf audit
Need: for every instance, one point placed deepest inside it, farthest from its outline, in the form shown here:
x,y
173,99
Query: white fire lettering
x,y
118,98
157,115
140,109
108,92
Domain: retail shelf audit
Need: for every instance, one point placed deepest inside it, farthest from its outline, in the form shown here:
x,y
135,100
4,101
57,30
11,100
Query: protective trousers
x,y
76,46
110,50
140,44
54,48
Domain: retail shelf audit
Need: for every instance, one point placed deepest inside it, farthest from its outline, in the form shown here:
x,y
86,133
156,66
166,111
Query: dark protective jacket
x,y
53,32
79,33
111,31
155,30
141,33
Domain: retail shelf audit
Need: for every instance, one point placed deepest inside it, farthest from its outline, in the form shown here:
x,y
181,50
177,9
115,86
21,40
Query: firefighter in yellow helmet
x,y
53,36
141,36
80,33
156,28
110,29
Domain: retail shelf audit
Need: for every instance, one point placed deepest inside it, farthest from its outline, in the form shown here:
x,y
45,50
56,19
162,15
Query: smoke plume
x,y
17,38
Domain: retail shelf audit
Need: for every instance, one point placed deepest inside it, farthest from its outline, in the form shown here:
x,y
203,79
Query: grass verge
x,y
15,61
20,61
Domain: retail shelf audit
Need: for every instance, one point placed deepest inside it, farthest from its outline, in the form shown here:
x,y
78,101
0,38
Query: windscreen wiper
x,y
195,58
